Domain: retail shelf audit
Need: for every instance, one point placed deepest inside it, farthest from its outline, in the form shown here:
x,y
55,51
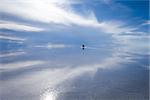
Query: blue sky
x,y
73,21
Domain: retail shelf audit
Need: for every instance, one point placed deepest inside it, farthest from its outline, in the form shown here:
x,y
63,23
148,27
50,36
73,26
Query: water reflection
x,y
98,72
81,70
49,96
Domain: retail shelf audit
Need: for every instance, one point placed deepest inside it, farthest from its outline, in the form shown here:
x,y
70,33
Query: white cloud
x,y
114,27
135,33
38,10
58,12
17,26
146,22
53,46
13,38
12,54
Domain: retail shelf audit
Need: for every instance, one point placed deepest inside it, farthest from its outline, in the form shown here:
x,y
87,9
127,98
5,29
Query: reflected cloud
x,y
53,46
16,65
53,77
67,73
12,54
134,43
13,38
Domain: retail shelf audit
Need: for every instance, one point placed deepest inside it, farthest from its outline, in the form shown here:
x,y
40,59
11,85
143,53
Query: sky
x,y
58,24
121,15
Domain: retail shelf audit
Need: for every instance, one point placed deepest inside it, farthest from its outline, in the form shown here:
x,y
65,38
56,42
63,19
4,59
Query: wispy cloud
x,y
146,22
53,46
18,26
44,11
135,33
115,27
54,11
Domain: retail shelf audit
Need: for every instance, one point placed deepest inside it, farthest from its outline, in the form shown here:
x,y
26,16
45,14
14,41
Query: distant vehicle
x,y
83,46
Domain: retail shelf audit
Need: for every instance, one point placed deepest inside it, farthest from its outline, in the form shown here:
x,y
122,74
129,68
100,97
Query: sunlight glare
x,y
49,96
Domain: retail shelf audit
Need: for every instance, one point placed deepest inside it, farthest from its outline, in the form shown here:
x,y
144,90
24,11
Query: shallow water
x,y
52,68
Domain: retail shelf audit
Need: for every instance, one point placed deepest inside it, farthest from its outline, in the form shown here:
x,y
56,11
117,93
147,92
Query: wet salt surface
x,y
75,74
55,67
